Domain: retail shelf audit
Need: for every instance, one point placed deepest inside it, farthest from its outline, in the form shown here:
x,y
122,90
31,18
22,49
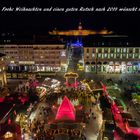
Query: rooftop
x,y
110,41
35,39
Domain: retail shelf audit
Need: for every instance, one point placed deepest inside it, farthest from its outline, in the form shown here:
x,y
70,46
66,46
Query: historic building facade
x,y
112,59
93,51
35,57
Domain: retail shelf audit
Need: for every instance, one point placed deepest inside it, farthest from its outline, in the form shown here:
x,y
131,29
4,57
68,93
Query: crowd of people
x,y
36,128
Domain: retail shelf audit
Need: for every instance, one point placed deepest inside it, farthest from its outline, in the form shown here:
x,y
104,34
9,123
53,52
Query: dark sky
x,y
34,22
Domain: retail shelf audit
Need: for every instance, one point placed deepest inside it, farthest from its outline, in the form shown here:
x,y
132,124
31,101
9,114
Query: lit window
x,y
118,49
99,55
118,56
102,56
130,55
105,55
124,50
136,55
124,55
111,55
63,53
93,55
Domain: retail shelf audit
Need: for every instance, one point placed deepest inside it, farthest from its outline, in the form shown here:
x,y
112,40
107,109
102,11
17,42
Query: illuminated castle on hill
x,y
80,32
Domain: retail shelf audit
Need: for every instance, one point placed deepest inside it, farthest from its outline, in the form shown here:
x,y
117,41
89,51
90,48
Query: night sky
x,y
41,22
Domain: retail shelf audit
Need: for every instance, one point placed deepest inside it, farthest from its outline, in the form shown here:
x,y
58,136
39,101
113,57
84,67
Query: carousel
x,y
71,79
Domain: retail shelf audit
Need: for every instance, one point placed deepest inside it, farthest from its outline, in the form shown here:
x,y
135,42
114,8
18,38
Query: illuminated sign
x,y
26,62
71,132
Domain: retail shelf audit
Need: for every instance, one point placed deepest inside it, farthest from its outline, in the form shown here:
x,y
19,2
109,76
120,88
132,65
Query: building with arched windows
x,y
102,51
112,54
92,51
